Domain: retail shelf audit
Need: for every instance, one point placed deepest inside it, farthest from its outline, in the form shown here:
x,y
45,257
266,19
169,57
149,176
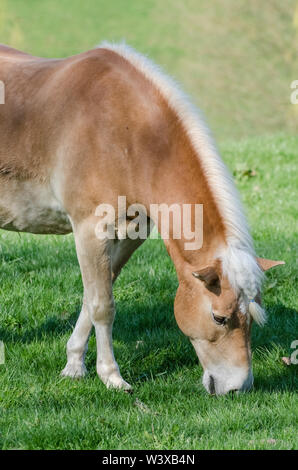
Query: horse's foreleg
x,y
95,262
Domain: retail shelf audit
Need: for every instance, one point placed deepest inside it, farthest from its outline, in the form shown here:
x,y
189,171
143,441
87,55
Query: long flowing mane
x,y
238,259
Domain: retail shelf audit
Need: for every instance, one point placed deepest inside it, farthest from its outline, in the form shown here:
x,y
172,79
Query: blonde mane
x,y
238,259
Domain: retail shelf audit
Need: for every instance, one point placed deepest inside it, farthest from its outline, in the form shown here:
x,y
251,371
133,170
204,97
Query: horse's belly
x,y
31,207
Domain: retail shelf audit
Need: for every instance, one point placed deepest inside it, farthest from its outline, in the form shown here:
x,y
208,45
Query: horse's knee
x,y
102,311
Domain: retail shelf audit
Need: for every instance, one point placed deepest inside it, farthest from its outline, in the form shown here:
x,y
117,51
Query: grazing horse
x,y
78,132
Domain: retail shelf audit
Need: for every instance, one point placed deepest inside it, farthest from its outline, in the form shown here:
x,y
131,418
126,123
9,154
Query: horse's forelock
x,y
245,277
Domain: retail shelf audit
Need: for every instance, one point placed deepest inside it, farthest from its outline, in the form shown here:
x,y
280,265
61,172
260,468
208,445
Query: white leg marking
x,y
77,346
95,262
107,367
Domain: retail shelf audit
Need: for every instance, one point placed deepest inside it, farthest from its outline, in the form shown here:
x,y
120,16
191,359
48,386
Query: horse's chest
x,y
31,207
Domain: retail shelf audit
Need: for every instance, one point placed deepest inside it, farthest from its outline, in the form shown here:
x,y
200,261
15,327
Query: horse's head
x,y
215,310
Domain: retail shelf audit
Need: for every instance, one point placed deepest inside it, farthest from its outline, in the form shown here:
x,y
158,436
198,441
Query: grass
x,y
41,292
236,58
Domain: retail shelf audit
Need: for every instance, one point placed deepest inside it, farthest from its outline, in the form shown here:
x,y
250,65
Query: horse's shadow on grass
x,y
132,327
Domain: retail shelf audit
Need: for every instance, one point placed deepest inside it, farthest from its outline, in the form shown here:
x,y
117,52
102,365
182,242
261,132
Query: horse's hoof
x,y
115,381
75,371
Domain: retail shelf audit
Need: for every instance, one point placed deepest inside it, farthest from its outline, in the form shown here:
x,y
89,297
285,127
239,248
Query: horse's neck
x,y
184,182
186,261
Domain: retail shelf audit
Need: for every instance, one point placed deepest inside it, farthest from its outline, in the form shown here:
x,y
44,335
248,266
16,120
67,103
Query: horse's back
x,y
7,52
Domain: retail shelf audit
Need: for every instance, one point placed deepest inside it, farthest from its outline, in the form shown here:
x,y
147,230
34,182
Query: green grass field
x,y
240,72
41,294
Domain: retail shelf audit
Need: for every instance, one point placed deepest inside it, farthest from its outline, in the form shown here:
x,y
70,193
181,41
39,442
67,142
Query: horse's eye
x,y
219,320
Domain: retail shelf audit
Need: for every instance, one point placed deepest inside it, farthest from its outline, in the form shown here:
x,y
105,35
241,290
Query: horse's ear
x,y
208,275
266,264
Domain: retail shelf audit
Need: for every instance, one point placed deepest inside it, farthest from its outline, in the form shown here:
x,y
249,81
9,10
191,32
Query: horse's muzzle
x,y
221,384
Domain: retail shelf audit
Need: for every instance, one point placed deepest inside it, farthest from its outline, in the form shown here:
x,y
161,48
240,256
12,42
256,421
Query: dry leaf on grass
x,y
286,360
142,407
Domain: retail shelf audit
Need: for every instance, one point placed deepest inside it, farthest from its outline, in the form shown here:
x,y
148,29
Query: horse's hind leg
x,y
121,252
95,262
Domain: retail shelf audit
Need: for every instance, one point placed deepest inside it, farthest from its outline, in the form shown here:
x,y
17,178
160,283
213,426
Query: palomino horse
x,y
79,132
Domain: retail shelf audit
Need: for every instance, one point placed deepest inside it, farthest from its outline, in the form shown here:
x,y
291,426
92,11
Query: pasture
x,y
40,283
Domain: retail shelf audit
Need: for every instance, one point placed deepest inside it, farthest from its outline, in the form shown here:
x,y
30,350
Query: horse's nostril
x,y
211,385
